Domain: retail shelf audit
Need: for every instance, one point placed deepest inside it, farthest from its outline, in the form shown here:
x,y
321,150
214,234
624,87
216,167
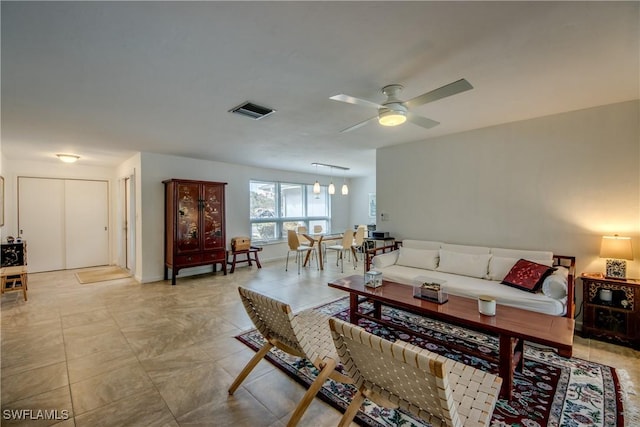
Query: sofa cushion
x,y
500,266
466,264
536,256
421,244
527,275
384,260
555,285
418,258
465,249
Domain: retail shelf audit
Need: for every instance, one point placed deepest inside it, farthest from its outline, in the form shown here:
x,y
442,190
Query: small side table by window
x,y
611,309
251,256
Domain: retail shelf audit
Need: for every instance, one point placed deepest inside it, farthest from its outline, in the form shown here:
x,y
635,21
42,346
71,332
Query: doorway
x,y
129,223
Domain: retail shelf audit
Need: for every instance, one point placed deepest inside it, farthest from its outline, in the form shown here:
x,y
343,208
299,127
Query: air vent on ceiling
x,y
252,110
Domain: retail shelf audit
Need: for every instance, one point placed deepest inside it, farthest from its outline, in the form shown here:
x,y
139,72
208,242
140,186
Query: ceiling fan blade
x,y
442,92
358,125
357,101
421,121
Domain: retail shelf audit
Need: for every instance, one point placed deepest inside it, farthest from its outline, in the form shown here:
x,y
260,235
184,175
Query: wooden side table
x,y
611,309
253,250
14,279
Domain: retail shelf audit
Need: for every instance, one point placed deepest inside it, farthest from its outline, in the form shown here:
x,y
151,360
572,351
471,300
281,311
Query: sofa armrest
x,y
570,263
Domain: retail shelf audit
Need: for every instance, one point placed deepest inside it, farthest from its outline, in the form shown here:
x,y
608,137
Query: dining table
x,y
319,239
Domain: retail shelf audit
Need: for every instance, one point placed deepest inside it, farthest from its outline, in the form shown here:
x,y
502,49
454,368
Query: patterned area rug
x,y
552,391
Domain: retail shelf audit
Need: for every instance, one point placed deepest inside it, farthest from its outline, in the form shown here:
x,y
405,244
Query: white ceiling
x,y
107,79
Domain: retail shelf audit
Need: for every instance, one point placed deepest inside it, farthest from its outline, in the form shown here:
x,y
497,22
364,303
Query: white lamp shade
x,y
616,247
332,188
345,189
316,188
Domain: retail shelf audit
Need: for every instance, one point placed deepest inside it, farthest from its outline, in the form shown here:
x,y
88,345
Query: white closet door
x,y
86,223
41,221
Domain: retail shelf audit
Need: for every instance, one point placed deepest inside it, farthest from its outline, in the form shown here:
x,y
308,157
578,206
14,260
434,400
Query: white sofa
x,y
471,271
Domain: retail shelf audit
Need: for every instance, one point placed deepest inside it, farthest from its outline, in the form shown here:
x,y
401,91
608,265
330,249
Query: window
x,y
276,207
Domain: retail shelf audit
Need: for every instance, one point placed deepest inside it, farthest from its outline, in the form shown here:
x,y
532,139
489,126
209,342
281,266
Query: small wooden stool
x,y
252,250
14,279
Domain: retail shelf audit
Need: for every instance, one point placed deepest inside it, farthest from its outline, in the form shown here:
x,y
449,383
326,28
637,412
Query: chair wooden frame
x,y
294,246
346,246
438,390
305,334
358,242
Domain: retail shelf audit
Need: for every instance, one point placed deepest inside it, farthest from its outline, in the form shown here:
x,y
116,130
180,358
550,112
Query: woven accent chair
x,y
305,334
438,390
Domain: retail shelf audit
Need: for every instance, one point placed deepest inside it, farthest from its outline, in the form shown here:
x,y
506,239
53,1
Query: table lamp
x,y
616,249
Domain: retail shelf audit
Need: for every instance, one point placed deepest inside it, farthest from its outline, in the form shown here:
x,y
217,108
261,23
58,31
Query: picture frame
x,y
372,205
1,201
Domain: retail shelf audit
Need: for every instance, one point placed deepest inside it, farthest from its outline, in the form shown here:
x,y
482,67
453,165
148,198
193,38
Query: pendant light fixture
x,y
331,188
316,186
345,189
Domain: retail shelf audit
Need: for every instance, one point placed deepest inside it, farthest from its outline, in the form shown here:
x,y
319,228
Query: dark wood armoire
x,y
194,225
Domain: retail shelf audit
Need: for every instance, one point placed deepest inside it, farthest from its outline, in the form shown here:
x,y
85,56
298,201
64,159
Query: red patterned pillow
x,y
527,275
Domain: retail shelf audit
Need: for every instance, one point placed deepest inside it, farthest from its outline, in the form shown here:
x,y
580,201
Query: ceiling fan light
x,y
68,158
392,118
316,187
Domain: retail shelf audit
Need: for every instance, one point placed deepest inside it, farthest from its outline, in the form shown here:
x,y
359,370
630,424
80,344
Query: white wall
x,y
359,192
12,169
156,168
556,183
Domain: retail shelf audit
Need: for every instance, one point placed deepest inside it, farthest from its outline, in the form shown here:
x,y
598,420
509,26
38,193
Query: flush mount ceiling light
x,y
68,158
392,118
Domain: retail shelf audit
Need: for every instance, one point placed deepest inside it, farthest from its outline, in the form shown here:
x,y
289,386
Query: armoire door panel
x,y
213,218
187,238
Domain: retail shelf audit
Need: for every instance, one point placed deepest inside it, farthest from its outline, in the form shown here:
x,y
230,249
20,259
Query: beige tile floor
x,y
120,353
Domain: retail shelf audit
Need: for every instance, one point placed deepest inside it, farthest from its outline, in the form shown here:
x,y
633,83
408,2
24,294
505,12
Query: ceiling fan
x,y
394,112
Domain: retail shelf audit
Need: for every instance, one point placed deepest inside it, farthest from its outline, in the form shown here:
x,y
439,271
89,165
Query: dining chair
x,y
436,389
342,248
302,232
317,229
295,246
305,334
358,241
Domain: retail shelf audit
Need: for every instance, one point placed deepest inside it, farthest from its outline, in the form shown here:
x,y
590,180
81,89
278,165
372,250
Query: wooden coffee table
x,y
511,325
